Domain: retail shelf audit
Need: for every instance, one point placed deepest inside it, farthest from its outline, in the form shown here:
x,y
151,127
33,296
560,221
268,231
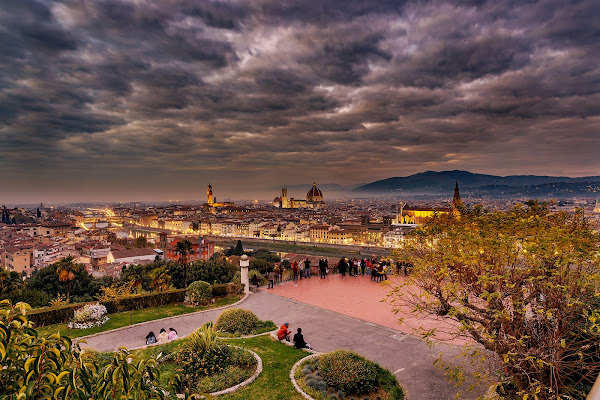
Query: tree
x,y
184,248
141,242
239,249
137,276
66,269
212,271
46,280
161,280
523,284
10,284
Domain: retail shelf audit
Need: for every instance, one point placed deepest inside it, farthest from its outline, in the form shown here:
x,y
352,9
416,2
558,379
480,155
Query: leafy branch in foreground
x,y
39,367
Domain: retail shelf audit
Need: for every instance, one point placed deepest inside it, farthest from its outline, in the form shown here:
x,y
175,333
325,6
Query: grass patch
x,y
272,384
126,318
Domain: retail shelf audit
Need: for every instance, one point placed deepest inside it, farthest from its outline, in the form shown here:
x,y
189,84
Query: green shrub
x,y
203,339
220,289
53,315
194,366
199,292
237,320
346,370
60,314
145,300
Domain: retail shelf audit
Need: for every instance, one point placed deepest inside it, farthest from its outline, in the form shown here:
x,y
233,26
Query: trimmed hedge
x,y
61,314
220,289
53,315
145,300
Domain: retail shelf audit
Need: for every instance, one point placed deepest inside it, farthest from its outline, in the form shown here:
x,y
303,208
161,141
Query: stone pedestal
x,y
244,264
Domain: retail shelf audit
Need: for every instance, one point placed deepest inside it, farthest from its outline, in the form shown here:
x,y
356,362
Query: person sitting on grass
x,y
283,332
299,342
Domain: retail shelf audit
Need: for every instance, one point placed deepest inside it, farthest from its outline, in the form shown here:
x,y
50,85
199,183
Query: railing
x,y
595,392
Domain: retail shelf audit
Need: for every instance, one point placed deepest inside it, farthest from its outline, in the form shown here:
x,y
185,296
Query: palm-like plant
x,y
66,270
136,275
184,248
161,280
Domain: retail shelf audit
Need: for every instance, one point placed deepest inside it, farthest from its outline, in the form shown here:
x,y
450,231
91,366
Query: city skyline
x,y
120,101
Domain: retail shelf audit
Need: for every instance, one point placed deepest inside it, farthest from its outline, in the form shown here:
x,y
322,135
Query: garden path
x,y
409,358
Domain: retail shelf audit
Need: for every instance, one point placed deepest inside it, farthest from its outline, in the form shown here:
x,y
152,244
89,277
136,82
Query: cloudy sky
x,y
134,100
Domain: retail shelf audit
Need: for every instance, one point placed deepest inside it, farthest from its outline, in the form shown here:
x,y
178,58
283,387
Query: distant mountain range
x,y
433,183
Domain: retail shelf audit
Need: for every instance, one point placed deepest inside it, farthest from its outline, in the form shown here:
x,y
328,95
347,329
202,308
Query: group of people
x,y
300,269
163,336
378,269
284,334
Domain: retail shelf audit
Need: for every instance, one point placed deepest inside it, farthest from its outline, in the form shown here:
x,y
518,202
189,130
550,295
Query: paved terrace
x,y
338,312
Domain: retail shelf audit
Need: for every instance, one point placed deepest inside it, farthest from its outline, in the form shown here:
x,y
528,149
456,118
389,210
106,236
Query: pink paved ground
x,y
361,298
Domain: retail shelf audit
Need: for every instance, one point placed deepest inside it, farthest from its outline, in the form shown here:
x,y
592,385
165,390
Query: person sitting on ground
x,y
254,281
299,342
163,336
150,338
283,332
173,334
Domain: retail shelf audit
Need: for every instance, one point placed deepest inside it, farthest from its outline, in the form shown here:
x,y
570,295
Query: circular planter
x,y
293,373
248,381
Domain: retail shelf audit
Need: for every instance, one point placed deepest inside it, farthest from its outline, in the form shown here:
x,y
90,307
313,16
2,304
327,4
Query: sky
x,y
113,100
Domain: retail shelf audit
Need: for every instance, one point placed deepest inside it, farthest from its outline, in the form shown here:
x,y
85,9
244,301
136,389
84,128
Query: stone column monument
x,y
244,264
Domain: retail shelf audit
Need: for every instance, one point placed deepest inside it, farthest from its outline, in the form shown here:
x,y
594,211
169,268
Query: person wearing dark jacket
x,y
150,338
322,269
299,342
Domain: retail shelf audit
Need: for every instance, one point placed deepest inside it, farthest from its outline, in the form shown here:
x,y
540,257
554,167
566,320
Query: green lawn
x,y
274,381
127,318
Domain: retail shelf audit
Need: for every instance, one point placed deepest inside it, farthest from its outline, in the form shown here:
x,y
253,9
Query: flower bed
x,y
88,316
344,375
206,365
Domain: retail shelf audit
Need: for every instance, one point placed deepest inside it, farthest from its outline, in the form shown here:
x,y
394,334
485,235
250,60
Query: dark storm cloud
x,y
286,91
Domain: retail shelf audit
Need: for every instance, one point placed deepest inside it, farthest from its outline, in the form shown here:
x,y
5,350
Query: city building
x,y
203,250
314,199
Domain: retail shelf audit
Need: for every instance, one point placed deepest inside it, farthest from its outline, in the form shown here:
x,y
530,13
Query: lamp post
x,y
244,264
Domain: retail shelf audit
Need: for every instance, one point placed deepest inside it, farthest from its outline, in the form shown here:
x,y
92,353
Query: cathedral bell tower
x,y
456,199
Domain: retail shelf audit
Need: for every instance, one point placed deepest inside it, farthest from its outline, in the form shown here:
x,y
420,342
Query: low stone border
x,y
259,368
247,336
161,319
290,343
293,373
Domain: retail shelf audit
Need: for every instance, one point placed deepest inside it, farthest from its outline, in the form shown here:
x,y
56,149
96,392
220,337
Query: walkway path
x,y
408,357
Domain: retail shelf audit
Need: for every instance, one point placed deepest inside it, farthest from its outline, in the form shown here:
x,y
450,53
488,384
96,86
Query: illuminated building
x,y
418,215
314,199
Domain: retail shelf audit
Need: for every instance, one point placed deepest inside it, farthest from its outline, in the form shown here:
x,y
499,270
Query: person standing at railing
x,y
307,268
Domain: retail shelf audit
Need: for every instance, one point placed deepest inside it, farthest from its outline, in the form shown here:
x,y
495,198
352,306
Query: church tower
x,y
285,202
456,199
209,194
